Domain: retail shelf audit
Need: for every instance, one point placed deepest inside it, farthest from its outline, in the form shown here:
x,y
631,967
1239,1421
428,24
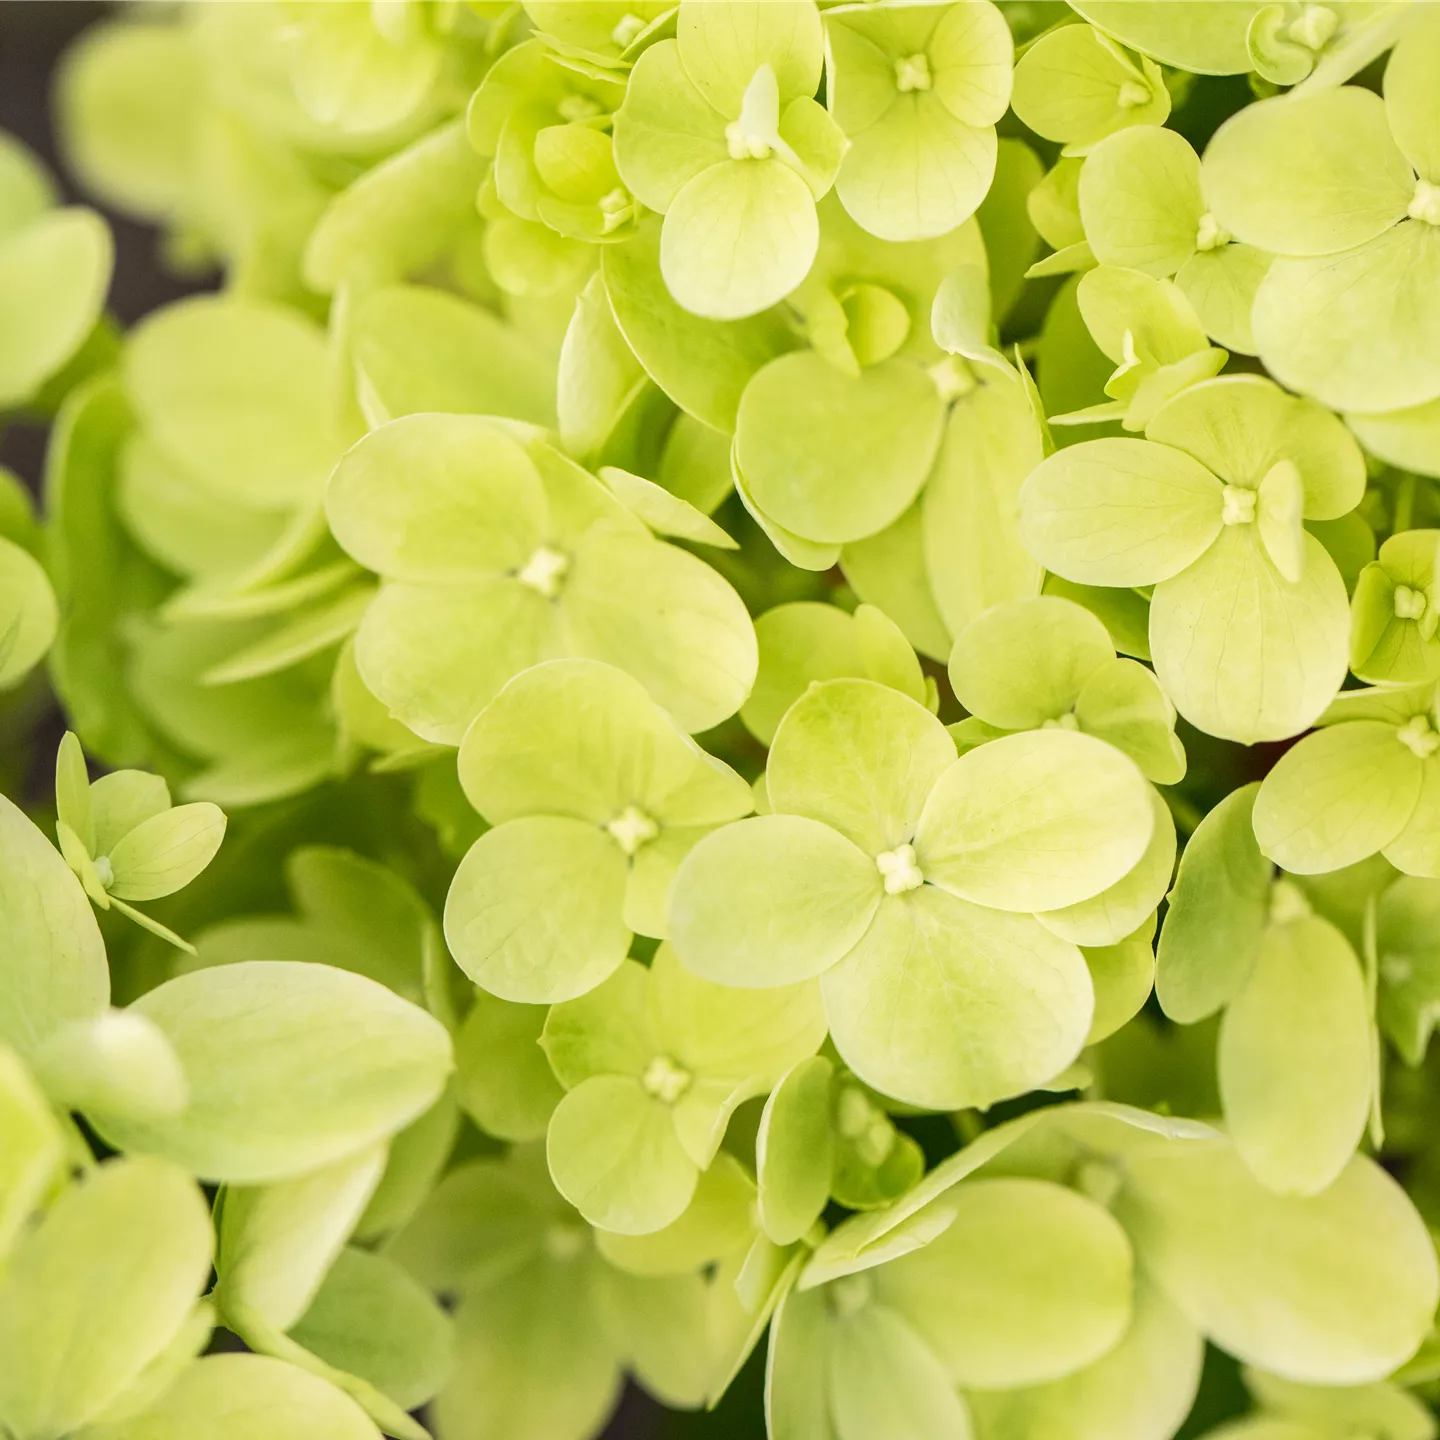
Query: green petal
x,y
1221,286
122,800
664,512
1026,662
33,1147
416,1158
810,896
1123,703
608,1031
887,570
794,1151
615,1156
1384,1408
1294,1059
1142,1389
1242,652
883,1379
534,911
1116,912
971,54
1140,200
1357,330
915,1007
1408,439
723,45
1030,1282
917,172
1035,821
1119,512
502,1079
1218,912
1336,1288
738,238
166,852
54,274
29,616
860,757
97,1290
834,457
1308,174
971,504
797,1405
1410,103
1208,36
665,617
1409,964
1240,426
662,1327
1416,850
1123,975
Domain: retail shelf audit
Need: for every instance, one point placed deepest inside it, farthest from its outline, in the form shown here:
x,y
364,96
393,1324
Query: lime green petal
x,y
971,56
834,457
1035,821
1410,101
1384,1408
1357,330
1408,962
739,237
888,570
797,1403
1140,200
810,896
54,275
1123,975
1221,286
1123,703
721,47
1242,652
607,1031
1119,512
665,617
1335,1288
615,1156
794,1151
34,1148
799,643
1294,1059
1026,662
1162,326
662,1328
1416,850
1116,912
534,911
915,1007
918,171
435,656
1030,1282
29,616
860,757
1408,439
1308,174
502,1079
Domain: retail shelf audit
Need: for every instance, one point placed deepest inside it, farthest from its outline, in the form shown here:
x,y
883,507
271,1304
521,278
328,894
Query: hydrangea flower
x,y
720,132
1344,188
1393,612
906,879
1209,509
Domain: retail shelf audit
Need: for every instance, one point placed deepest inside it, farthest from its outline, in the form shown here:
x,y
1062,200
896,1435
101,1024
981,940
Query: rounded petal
x,y
723,45
834,457
1123,975
1295,1064
1036,821
794,1151
946,1004
667,618
738,238
1409,439
1030,1281
1119,512
1122,703
1359,330
971,57
860,757
1308,174
888,570
1140,200
1208,36
615,1157
1021,664
29,616
809,897
1336,1288
1416,850
534,911
1244,653
607,1031
918,171
1412,105
1221,286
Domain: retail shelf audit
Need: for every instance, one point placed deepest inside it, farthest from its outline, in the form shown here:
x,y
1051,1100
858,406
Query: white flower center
x,y
1067,721
104,871
1287,902
1409,604
1212,234
616,209
865,1125
756,132
627,30
912,73
1425,203
899,869
578,107
544,571
1133,95
953,378
1237,507
665,1080
1418,736
1316,25
632,828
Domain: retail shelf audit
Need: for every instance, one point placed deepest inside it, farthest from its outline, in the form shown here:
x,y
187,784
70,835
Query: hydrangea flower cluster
x,y
752,711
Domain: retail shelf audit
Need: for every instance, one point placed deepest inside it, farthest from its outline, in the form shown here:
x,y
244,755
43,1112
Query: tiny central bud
x,y
564,1242
1409,604
1212,234
1418,736
575,108
104,871
665,1080
953,378
1238,505
616,209
899,869
1315,27
851,1293
627,30
1425,203
1133,95
632,828
744,146
1067,721
544,571
1287,902
912,73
